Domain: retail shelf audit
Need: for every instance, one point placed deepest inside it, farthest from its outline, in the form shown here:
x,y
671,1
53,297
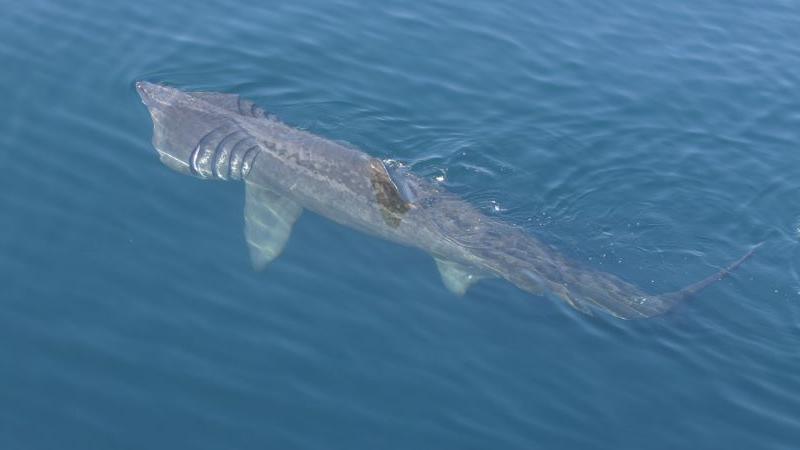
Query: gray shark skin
x,y
285,170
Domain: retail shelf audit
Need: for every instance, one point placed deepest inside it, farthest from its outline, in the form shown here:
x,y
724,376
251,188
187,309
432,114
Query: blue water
x,y
654,140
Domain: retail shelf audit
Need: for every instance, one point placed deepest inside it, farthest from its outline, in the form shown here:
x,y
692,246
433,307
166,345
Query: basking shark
x,y
218,136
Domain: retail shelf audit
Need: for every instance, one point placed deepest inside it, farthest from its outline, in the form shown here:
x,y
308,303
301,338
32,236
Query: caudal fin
x,y
672,299
587,290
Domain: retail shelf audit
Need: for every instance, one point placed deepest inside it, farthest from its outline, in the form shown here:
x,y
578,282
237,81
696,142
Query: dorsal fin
x,y
393,205
231,102
399,175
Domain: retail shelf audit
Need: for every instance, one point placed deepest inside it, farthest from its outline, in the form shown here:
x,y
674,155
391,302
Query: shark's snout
x,y
192,138
146,91
172,145
140,87
152,93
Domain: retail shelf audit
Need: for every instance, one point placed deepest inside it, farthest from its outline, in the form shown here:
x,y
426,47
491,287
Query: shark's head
x,y
153,94
169,114
179,125
196,133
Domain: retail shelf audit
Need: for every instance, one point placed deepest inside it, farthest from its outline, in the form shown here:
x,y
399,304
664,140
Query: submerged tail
x,y
670,300
589,290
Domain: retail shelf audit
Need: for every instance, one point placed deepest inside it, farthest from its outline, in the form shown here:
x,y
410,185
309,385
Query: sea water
x,y
653,140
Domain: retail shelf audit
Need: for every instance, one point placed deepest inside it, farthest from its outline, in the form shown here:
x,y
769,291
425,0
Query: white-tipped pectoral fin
x,y
456,277
268,220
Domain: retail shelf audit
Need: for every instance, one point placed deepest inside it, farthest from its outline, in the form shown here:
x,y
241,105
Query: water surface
x,y
654,141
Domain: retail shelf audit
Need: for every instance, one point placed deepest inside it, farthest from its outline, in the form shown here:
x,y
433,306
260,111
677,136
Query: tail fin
x,y
670,300
587,290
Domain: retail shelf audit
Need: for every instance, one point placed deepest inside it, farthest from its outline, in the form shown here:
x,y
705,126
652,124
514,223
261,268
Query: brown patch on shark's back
x,y
393,206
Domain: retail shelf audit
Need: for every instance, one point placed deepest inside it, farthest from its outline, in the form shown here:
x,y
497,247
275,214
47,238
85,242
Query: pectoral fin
x,y
268,220
456,277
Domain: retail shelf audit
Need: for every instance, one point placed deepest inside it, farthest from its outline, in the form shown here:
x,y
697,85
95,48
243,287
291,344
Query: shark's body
x,y
286,170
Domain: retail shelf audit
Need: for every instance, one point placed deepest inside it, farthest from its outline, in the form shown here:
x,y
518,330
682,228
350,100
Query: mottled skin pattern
x,y
221,136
